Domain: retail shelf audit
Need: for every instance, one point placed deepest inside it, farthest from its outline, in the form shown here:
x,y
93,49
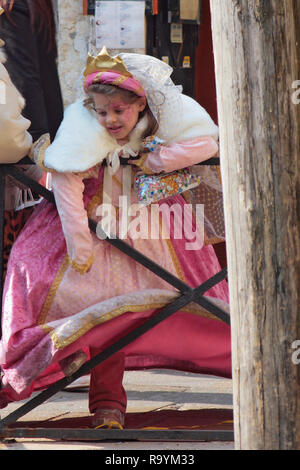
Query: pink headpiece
x,y
111,71
110,77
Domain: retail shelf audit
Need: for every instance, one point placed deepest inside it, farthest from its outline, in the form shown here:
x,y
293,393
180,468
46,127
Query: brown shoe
x,y
108,419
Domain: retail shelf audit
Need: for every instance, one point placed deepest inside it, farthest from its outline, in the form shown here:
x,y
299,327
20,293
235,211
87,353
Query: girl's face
x,y
116,115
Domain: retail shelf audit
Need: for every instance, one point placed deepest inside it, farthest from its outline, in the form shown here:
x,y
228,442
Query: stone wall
x,y
75,38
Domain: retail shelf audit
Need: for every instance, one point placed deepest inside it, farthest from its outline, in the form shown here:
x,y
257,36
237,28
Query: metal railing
x,y
187,295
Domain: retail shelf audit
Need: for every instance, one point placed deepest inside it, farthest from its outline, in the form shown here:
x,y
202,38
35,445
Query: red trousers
x,y
106,389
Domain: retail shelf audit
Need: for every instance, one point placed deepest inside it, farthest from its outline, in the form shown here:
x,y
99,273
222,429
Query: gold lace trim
x,y
55,285
90,173
37,152
81,268
141,163
60,344
52,292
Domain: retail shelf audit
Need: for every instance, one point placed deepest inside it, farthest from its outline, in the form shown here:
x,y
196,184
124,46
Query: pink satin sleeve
x,y
68,192
181,154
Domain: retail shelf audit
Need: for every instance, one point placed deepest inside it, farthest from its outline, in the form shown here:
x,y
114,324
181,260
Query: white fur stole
x,y
81,142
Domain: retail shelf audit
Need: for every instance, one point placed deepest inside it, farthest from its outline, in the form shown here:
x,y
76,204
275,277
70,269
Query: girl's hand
x,y
141,164
137,161
134,163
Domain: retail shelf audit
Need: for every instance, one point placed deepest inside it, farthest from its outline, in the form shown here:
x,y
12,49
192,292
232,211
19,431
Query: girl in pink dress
x,y
68,293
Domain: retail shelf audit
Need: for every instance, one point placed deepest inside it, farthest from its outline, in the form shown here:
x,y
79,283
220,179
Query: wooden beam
x,y
257,60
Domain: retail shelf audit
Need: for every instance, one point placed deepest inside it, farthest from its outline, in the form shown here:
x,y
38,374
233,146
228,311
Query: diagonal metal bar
x,y
82,434
214,161
19,175
211,282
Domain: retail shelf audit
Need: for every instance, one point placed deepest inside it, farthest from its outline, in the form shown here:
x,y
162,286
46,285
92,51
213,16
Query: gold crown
x,y
104,62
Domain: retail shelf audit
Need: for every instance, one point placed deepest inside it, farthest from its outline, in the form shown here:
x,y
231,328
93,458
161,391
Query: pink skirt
x,y
51,311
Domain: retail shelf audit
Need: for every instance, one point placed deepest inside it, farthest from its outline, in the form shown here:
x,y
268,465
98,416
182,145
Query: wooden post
x,y
257,59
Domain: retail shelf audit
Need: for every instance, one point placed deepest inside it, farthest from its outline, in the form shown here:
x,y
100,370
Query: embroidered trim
x,y
119,80
115,179
93,322
60,344
52,292
81,268
37,152
91,173
97,77
141,163
213,241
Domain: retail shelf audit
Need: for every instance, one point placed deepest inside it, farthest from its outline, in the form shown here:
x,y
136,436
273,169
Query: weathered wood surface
x,y
257,58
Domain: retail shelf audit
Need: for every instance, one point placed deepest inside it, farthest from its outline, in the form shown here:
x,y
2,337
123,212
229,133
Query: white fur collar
x,y
81,142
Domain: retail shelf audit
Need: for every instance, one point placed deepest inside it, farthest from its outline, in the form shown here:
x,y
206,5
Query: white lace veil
x,y
163,96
